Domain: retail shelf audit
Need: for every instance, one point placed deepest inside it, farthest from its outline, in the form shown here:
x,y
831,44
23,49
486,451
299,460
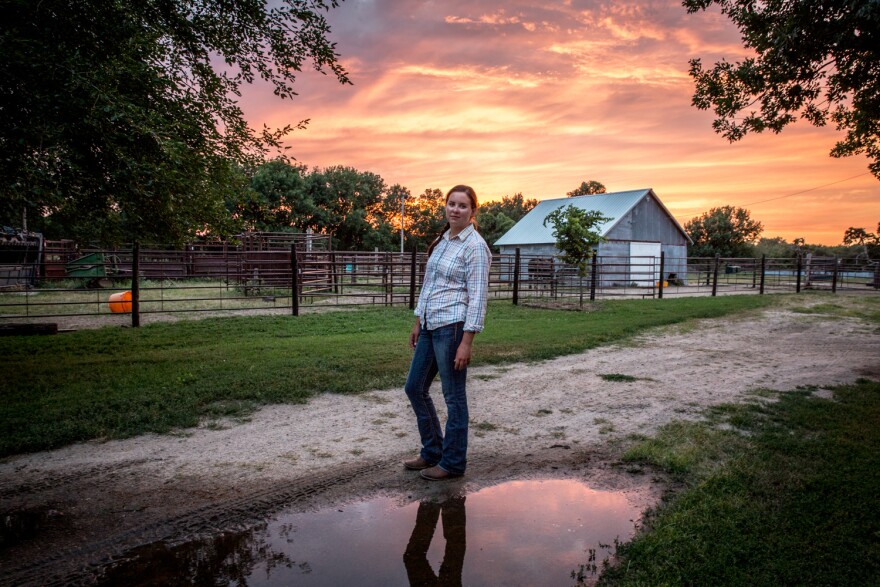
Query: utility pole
x,y
402,207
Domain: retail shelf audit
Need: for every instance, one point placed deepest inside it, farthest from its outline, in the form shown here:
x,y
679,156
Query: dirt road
x,y
68,513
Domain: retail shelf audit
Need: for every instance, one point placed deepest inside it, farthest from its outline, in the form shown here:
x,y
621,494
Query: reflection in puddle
x,y
415,558
19,525
517,533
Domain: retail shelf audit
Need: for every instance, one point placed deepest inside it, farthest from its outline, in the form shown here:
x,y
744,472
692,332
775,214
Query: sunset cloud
x,y
535,97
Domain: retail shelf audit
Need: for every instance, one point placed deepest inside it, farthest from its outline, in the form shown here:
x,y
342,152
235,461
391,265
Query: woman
x,y
451,309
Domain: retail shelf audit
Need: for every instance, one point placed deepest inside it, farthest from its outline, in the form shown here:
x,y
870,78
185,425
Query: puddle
x,y
516,533
18,526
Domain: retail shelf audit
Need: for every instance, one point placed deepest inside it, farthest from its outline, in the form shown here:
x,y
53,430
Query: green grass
x,y
620,377
785,493
120,382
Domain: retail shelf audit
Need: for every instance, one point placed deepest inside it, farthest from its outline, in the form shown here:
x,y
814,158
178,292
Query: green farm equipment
x,y
96,267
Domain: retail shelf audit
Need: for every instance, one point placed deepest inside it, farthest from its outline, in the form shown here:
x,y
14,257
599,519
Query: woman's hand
x,y
414,335
463,353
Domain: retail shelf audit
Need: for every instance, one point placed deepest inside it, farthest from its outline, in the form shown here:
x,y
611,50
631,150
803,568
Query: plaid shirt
x,y
456,282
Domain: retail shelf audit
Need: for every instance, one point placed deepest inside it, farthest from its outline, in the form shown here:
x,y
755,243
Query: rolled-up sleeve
x,y
477,282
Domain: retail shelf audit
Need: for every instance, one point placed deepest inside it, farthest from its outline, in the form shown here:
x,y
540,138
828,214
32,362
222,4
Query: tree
x,y
726,231
495,218
514,207
816,60
779,248
494,226
426,218
775,247
587,188
394,207
120,118
576,234
280,199
348,206
868,241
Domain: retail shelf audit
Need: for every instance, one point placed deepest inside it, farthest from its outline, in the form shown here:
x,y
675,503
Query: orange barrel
x,y
120,303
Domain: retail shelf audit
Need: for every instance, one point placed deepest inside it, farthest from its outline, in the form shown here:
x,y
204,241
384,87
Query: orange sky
x,y
536,97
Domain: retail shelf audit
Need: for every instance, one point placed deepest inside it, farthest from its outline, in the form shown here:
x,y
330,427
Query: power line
x,y
809,190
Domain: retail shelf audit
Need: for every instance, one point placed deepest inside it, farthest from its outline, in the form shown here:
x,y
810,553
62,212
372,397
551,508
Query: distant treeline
x,y
357,209
360,212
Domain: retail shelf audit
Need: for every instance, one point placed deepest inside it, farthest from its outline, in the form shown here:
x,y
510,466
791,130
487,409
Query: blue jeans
x,y
435,353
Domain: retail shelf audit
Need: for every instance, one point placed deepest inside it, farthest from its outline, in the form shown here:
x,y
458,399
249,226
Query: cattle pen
x,y
296,275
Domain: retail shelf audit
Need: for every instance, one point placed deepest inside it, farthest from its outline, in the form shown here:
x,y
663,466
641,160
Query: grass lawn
x,y
120,382
783,490
780,492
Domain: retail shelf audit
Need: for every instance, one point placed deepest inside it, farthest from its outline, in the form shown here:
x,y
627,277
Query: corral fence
x,y
134,282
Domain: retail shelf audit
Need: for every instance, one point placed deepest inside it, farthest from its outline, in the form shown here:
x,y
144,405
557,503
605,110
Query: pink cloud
x,y
537,97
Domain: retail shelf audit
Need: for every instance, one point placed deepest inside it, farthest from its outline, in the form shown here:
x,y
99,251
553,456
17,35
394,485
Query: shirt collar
x,y
466,232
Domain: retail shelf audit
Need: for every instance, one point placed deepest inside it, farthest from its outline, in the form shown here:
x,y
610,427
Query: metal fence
x,y
101,283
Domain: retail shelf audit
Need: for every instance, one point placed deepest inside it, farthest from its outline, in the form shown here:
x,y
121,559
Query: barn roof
x,y
530,230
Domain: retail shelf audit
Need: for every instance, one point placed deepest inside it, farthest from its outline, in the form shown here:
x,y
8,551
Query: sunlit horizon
x,y
535,98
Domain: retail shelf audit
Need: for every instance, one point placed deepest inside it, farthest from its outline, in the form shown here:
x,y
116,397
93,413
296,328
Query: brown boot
x,y
436,474
416,464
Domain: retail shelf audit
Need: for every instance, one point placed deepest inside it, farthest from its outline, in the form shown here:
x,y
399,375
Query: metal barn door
x,y
644,263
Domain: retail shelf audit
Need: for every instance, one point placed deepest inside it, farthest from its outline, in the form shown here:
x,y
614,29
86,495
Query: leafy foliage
x,y
426,218
726,231
352,206
587,188
348,204
816,60
779,248
576,236
278,199
514,207
120,119
868,242
355,207
494,226
775,248
497,217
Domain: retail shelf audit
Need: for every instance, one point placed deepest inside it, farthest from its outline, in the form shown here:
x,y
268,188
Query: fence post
x,y
594,267
715,275
340,274
516,263
333,275
135,285
662,273
226,263
412,279
800,267
834,276
240,279
763,271
386,279
294,281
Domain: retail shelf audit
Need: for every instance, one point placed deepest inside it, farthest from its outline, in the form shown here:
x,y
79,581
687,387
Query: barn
x,y
638,229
